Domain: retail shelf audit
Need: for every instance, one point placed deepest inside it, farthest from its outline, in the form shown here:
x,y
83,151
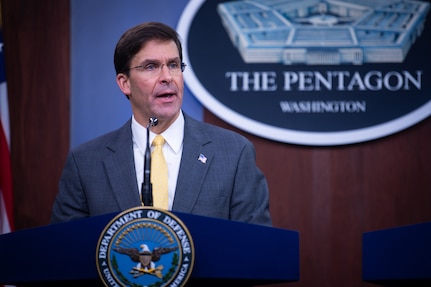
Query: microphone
x,y
147,187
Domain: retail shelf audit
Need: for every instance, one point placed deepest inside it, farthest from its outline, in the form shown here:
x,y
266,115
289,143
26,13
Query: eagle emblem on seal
x,y
146,259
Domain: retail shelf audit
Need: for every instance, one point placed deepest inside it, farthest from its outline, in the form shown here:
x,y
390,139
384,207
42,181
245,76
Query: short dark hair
x,y
136,37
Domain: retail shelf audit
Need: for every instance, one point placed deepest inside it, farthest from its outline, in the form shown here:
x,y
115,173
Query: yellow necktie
x,y
159,174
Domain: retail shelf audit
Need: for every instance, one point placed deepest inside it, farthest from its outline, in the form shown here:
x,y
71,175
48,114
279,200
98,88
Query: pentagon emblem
x,y
145,247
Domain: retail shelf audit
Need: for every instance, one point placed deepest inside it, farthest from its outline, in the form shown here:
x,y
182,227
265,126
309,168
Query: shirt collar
x,y
173,135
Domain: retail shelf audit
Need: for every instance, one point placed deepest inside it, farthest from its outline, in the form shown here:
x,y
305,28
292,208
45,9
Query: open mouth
x,y
166,96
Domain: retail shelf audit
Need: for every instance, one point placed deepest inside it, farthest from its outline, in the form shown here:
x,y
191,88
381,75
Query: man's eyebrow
x,y
146,61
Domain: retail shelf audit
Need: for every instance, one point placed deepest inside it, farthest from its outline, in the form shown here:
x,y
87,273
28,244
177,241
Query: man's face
x,y
155,87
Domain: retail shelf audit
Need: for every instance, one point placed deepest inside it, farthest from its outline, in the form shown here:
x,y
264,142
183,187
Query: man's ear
x,y
123,83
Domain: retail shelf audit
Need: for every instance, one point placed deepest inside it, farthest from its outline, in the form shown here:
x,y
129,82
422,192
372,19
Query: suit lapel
x,y
120,169
192,170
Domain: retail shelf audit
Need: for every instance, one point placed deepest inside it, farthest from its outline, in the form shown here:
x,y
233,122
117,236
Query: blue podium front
x,y
228,252
398,256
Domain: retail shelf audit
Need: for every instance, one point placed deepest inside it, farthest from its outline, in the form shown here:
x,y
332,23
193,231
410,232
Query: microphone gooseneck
x,y
147,187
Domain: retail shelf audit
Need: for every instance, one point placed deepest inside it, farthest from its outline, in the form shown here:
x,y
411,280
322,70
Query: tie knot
x,y
158,140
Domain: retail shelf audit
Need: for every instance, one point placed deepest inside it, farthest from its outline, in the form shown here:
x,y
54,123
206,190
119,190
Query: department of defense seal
x,y
147,247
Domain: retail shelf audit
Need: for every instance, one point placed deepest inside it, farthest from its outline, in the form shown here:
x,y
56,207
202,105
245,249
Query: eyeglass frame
x,y
142,66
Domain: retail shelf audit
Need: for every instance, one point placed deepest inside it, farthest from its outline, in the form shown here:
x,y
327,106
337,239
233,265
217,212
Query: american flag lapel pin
x,y
202,158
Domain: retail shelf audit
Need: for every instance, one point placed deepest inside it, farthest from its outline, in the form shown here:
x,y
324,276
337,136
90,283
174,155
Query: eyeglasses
x,y
154,69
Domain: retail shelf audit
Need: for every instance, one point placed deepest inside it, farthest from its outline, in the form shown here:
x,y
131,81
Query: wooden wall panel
x,y
332,195
37,52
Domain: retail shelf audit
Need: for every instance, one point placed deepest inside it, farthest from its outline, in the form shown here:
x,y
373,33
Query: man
x,y
212,171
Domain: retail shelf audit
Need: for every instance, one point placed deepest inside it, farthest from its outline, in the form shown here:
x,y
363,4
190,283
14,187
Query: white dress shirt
x,y
172,150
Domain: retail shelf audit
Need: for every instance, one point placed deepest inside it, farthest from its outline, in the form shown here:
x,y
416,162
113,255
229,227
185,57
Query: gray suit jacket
x,y
99,177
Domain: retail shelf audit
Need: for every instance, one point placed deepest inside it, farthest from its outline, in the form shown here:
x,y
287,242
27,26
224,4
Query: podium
x,y
399,256
227,253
